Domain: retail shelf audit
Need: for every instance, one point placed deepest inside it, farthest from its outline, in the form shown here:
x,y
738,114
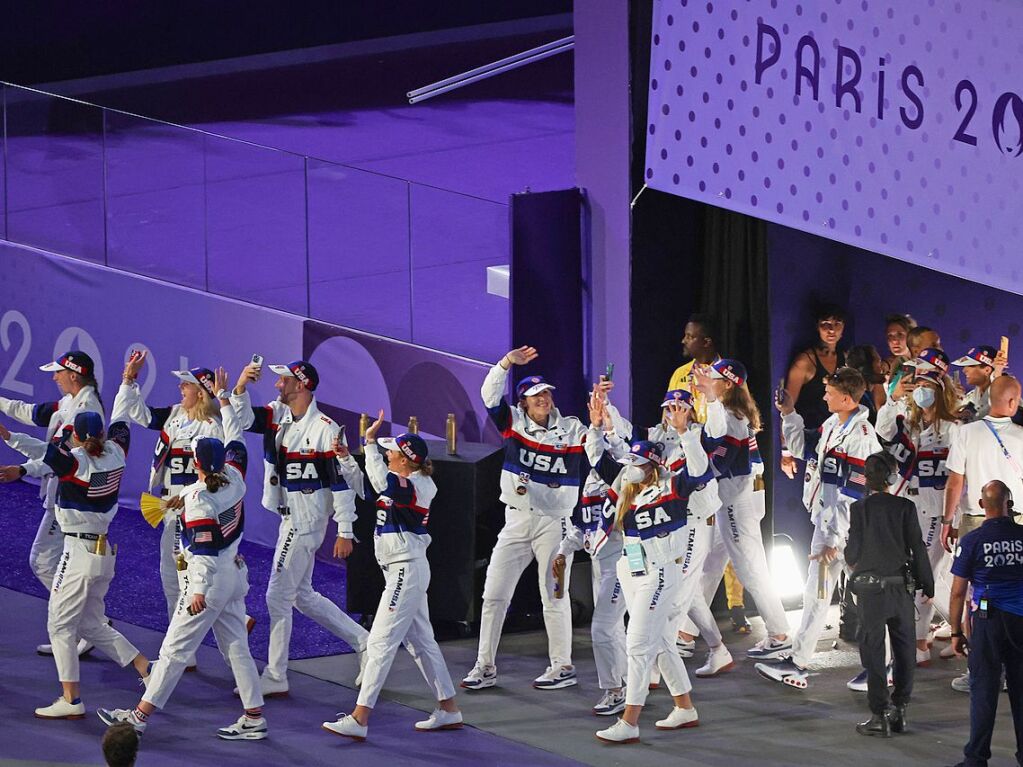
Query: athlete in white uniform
x,y
214,586
197,415
74,374
543,454
835,455
917,430
981,365
89,469
400,539
730,436
648,507
304,483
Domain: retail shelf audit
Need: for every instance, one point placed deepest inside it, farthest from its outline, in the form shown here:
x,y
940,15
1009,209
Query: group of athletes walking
x,y
660,511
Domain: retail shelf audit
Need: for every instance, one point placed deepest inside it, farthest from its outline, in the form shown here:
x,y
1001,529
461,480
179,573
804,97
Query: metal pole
x,y
493,65
489,73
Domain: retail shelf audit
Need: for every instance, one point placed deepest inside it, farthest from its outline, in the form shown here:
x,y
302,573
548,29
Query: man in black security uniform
x,y
889,560
990,559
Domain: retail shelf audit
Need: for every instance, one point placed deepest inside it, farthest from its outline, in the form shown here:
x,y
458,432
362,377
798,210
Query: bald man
x,y
988,449
990,559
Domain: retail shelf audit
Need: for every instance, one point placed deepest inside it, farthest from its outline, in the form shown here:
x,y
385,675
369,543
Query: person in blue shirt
x,y
990,559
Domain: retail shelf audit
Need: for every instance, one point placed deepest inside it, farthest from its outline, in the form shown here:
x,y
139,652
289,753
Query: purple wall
x,y
602,170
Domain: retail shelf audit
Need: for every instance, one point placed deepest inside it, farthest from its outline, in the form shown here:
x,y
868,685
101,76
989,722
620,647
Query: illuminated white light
x,y
788,578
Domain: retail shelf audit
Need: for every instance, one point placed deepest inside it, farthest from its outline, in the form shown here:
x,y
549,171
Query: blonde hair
x,y
739,402
628,494
205,407
945,406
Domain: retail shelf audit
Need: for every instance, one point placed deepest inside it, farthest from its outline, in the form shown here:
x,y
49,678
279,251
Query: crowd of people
x,y
898,463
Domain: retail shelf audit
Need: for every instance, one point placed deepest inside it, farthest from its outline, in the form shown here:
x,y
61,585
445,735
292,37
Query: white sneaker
x,y
947,653
441,720
770,649
786,672
555,679
62,709
686,647
480,677
619,733
362,668
84,648
120,715
679,719
923,657
611,703
347,727
959,684
270,688
719,660
245,728
943,631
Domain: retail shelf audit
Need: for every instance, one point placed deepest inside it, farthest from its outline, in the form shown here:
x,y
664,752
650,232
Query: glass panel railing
x,y
255,225
454,239
343,245
54,151
359,250
155,200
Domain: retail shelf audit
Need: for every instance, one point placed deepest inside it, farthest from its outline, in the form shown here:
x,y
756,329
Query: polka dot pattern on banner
x,y
899,183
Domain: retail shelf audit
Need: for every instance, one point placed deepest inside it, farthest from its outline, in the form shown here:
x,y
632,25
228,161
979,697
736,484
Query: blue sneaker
x,y
859,682
770,649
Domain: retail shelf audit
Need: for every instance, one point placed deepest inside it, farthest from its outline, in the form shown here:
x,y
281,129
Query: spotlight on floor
x,y
788,578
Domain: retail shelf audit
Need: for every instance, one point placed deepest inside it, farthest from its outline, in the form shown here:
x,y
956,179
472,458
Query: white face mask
x,y
634,474
924,396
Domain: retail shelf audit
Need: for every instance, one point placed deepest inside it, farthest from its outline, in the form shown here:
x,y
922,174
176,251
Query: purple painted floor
x,y
136,595
184,732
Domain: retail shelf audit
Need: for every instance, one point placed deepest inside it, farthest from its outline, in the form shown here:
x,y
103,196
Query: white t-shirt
x,y
975,453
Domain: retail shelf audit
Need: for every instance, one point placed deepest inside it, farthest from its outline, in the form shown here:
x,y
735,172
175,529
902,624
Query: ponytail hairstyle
x,y
425,468
216,480
90,380
94,446
739,402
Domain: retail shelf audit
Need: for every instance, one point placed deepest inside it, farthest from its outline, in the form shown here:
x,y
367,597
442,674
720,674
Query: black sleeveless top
x,y
810,403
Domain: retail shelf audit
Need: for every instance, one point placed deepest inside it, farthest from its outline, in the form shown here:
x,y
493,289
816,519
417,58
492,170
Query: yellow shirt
x,y
683,378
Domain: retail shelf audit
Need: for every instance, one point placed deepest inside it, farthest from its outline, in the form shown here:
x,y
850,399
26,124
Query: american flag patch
x,y
858,479
204,537
720,451
228,520
104,482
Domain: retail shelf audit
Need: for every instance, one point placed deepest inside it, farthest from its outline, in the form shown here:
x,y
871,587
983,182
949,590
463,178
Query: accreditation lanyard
x,y
1005,450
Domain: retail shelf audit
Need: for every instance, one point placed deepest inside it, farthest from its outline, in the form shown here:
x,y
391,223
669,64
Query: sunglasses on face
x,y
831,325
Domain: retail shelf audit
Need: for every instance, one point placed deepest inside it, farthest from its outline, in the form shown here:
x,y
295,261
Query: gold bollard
x,y
451,431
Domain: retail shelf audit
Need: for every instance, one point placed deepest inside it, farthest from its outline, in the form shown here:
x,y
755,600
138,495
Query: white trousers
x,y
76,609
170,547
403,616
291,586
698,620
815,611
739,539
607,627
47,547
525,536
652,601
225,614
941,566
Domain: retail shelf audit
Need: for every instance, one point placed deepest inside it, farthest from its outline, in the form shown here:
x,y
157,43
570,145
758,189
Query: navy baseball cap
x,y
201,377
75,361
977,355
931,358
678,397
730,370
301,370
532,385
643,451
412,446
88,424
209,454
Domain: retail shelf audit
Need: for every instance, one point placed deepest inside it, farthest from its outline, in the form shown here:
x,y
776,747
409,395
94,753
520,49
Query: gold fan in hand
x,y
152,509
